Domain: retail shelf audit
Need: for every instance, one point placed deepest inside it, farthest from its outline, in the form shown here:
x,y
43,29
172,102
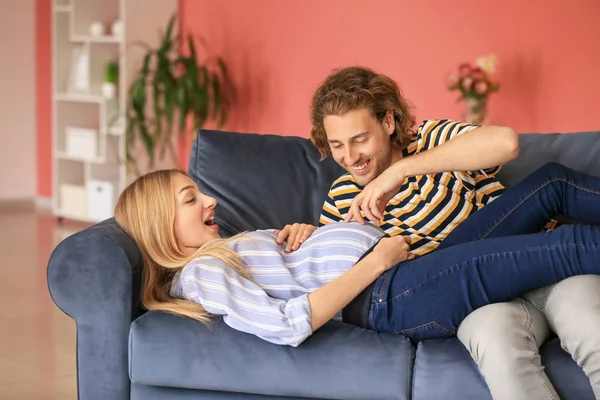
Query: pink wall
x,y
17,95
43,104
280,50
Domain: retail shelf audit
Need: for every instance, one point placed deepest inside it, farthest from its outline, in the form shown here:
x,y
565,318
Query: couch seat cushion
x,y
339,361
444,370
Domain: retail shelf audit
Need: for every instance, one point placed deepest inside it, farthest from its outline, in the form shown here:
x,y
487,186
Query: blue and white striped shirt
x,y
273,305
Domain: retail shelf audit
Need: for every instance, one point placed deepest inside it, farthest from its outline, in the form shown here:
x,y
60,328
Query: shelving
x,y
88,128
95,39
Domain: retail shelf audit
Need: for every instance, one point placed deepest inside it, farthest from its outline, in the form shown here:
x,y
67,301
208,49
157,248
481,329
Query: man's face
x,y
360,143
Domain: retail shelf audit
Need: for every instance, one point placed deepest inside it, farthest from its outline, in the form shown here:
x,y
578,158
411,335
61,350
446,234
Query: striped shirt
x,y
273,304
427,207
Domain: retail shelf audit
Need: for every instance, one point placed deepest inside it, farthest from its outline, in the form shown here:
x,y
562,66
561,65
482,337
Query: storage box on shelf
x,y
73,201
81,143
101,199
88,126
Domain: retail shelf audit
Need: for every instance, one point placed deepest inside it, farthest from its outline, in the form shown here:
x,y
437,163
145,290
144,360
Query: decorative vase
x,y
96,29
108,90
117,28
476,112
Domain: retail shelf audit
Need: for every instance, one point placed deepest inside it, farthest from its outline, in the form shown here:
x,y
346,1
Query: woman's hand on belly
x,y
296,234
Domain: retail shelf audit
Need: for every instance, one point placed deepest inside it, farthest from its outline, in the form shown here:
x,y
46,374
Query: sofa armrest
x,y
94,277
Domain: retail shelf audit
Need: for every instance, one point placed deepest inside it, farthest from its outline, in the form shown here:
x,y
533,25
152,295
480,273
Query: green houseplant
x,y
172,89
111,76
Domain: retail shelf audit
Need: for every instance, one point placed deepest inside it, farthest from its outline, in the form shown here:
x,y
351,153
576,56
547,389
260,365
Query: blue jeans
x,y
495,255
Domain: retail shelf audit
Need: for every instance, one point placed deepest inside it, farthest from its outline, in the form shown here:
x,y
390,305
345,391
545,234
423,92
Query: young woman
x,y
352,270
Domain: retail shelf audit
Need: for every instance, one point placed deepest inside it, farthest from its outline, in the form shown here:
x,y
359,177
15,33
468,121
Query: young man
x,y
423,184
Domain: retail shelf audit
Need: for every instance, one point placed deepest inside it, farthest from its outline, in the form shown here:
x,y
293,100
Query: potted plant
x,y
111,76
475,85
174,88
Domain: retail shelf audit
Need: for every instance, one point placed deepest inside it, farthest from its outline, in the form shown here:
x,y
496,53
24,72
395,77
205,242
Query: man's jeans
x,y
494,256
504,338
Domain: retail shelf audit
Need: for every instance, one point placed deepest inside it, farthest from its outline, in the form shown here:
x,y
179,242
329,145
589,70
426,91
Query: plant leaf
x,y
167,40
182,104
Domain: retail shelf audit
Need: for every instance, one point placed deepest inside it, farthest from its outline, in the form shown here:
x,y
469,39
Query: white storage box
x,y
101,198
73,200
81,142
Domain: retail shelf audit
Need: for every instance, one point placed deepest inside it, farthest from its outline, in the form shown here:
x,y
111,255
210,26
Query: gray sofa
x,y
266,181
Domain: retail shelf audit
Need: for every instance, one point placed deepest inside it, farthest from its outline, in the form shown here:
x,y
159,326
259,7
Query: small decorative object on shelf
x,y
96,29
111,76
79,74
475,85
117,28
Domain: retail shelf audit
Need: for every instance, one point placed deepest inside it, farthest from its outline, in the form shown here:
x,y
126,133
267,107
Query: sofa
x,y
267,181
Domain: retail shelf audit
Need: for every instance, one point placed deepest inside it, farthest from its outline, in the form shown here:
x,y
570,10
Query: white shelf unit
x,y
88,130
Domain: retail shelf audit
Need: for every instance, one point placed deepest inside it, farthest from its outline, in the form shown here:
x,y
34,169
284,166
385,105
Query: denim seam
x,y
537,189
378,297
458,266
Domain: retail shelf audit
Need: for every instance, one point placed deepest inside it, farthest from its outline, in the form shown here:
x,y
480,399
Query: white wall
x,y
17,100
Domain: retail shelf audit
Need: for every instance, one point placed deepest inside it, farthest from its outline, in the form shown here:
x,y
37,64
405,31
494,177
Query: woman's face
x,y
194,213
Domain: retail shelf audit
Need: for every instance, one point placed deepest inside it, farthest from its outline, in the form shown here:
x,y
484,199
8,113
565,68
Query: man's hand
x,y
375,196
296,234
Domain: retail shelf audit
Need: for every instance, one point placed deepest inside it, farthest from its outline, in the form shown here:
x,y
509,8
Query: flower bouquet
x,y
475,85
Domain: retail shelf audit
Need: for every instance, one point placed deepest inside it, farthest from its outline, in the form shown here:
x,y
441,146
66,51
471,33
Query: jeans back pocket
x,y
428,331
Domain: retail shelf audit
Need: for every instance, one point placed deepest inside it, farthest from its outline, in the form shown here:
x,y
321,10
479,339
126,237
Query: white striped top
x,y
273,305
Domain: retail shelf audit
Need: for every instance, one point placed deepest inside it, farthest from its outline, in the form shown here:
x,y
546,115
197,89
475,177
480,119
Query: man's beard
x,y
376,165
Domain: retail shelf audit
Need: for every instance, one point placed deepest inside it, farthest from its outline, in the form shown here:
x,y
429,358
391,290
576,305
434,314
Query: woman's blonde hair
x,y
146,211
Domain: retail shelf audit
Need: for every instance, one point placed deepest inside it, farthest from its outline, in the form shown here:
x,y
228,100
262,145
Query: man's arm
x,y
480,148
477,149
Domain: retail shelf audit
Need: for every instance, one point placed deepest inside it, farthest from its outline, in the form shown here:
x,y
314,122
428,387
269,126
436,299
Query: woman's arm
x,y
329,299
245,306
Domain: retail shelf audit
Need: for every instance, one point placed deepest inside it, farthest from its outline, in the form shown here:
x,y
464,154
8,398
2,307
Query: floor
x,y
37,340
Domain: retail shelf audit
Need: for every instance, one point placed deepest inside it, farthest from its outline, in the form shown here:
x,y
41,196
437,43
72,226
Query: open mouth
x,y
210,221
360,168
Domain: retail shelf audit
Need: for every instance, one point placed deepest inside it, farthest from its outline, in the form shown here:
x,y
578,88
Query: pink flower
x,y
464,69
481,87
467,83
478,74
452,80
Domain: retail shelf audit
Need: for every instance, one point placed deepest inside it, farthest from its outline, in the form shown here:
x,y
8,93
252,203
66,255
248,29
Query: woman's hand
x,y
393,250
296,234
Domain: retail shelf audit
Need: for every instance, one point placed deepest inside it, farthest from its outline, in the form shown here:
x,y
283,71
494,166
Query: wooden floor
x,y
37,340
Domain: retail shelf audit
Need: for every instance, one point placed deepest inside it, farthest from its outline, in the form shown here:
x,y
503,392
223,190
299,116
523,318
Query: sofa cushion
x,y
261,181
445,370
579,151
339,361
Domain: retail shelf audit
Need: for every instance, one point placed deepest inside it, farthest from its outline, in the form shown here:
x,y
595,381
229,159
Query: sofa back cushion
x,y
261,181
579,151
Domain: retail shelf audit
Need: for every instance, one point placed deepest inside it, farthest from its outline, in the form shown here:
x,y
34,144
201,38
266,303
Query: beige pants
x,y
504,338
